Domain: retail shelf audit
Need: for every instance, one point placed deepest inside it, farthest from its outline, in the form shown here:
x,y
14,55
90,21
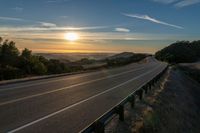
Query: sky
x,y
106,26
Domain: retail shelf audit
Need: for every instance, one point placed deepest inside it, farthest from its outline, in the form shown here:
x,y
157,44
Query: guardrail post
x,y
132,101
145,89
99,127
140,94
149,86
153,82
120,112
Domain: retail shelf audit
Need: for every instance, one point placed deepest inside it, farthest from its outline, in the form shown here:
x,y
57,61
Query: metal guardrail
x,y
98,126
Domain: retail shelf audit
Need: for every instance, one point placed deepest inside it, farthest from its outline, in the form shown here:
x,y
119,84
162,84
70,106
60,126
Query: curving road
x,y
69,103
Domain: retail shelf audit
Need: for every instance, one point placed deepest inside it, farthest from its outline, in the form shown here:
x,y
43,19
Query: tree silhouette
x,y
9,54
16,65
179,52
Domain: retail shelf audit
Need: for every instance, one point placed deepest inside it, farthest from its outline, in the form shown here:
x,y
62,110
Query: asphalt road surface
x,y
67,104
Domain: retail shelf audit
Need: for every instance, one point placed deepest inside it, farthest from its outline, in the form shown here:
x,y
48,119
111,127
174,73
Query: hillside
x,y
125,58
75,56
19,64
121,55
180,52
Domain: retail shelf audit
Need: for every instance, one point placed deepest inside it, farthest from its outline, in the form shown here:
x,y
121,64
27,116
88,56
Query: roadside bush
x,y
9,72
16,65
125,60
180,52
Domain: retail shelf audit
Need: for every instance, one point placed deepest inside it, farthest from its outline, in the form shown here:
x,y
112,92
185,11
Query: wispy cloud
x,y
185,3
44,26
18,9
122,30
47,25
146,17
41,24
64,17
51,1
56,1
11,19
165,1
178,3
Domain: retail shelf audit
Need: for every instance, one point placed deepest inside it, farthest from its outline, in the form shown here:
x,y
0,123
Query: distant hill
x,y
65,57
124,58
180,52
95,60
121,55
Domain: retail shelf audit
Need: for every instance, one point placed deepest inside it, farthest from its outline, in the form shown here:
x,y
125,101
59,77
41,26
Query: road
x,y
69,103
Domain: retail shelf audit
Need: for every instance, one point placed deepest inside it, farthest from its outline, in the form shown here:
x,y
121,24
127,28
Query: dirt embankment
x,y
172,107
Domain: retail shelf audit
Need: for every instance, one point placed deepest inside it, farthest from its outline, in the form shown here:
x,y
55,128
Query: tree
x,y
26,53
25,61
180,52
31,64
1,39
9,54
54,66
37,67
0,49
16,65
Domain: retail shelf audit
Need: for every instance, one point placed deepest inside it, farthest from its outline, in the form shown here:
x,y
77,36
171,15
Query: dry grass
x,y
173,107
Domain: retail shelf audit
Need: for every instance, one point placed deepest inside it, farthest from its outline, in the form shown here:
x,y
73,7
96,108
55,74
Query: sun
x,y
71,36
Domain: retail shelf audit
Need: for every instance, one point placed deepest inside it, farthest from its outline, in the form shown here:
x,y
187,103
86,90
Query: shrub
x,y
180,52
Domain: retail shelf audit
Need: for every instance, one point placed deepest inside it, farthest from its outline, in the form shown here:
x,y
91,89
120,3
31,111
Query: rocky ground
x,y
173,106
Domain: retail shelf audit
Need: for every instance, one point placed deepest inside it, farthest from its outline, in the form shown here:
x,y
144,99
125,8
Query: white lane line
x,y
45,82
80,102
64,88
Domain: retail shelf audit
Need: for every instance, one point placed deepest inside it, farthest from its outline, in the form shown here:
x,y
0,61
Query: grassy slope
x,y
172,107
177,107
191,71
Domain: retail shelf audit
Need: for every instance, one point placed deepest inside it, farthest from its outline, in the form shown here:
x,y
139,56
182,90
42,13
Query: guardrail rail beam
x,y
99,125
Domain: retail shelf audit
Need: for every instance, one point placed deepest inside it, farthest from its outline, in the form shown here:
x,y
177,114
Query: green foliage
x,y
8,53
16,65
26,53
55,66
180,52
86,61
119,61
37,67
10,72
31,64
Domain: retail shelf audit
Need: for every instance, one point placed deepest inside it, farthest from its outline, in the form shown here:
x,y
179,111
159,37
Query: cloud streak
x,y
56,1
178,3
185,3
47,25
122,30
146,17
11,19
18,9
165,1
